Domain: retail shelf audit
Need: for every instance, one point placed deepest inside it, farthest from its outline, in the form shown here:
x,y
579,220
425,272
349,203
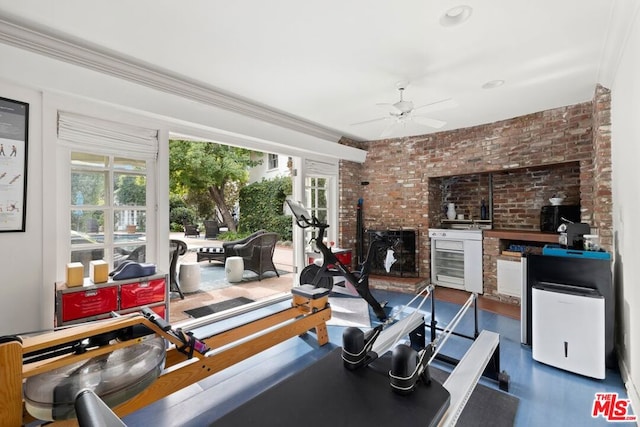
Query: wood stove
x,y
405,253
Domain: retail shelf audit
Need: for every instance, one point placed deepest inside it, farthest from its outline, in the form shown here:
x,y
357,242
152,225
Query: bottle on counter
x,y
484,214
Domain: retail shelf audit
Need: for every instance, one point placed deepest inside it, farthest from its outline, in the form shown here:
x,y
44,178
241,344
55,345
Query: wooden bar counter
x,y
522,235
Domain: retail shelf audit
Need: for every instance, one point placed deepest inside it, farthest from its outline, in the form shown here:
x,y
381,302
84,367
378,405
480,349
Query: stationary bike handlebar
x,y
303,218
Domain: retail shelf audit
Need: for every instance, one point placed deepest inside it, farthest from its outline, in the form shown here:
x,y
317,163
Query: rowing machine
x,y
73,359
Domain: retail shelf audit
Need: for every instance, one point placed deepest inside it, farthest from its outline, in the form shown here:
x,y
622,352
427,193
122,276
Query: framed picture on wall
x,y
14,126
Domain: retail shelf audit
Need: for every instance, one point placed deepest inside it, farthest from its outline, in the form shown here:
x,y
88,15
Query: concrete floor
x,y
548,396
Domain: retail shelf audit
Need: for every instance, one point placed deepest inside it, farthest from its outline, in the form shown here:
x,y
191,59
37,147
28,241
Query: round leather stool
x,y
234,267
189,278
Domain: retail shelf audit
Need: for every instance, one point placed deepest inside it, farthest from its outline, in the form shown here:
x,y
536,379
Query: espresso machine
x,y
571,235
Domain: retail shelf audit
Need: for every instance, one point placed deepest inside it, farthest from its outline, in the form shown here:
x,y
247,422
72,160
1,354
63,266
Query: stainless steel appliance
x,y
551,217
456,259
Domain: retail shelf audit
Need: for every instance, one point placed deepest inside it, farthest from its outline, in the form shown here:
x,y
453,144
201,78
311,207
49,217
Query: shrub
x,y
261,206
180,215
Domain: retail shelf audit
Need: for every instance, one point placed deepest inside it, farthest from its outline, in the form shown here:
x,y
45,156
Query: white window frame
x,y
311,191
272,161
110,207
64,205
307,168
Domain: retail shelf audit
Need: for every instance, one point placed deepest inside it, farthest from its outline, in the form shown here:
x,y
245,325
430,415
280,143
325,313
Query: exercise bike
x,y
322,276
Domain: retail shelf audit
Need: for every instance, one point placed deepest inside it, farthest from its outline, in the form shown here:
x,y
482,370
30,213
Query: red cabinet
x,y
89,303
97,301
142,293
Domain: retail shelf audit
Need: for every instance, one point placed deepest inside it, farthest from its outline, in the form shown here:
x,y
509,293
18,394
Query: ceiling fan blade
x,y
391,108
443,104
370,121
432,123
387,131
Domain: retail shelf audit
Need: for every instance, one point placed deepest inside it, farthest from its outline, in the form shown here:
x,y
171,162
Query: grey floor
x,y
548,396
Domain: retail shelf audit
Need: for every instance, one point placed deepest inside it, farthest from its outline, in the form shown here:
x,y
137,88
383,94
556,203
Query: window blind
x,y
85,133
314,167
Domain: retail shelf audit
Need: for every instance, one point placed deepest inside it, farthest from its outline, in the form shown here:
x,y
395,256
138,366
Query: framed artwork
x,y
14,125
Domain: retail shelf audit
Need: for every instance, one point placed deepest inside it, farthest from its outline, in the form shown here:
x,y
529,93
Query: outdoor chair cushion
x,y
216,253
212,250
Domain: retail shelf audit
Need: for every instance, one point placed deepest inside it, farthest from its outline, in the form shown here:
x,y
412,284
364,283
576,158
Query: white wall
x,y
21,254
263,171
29,263
625,129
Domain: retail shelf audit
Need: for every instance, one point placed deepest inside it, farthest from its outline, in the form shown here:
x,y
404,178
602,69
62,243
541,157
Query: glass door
x,y
447,263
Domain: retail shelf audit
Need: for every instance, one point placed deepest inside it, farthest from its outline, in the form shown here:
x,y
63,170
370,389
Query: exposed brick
x,y
529,158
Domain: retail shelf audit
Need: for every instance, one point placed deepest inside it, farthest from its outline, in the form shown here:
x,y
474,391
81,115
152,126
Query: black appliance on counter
x,y
551,217
574,236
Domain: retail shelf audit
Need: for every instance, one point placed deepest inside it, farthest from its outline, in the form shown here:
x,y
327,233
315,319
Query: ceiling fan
x,y
403,111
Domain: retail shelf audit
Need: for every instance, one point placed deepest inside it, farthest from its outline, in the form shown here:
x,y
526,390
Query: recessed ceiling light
x,y
456,16
493,84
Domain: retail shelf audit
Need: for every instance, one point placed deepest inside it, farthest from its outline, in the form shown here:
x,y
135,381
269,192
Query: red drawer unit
x,y
344,257
93,302
84,303
142,293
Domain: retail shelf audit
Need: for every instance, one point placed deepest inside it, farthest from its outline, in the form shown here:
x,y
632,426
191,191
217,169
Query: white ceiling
x,y
331,62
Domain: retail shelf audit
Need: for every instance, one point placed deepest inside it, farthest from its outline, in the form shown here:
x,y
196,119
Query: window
x,y
316,197
273,161
108,209
110,179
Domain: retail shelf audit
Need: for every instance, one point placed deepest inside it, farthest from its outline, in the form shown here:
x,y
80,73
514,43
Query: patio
x,y
258,290
254,290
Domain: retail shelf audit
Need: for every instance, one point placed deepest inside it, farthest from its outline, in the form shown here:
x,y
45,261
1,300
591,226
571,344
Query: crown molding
x,y
83,54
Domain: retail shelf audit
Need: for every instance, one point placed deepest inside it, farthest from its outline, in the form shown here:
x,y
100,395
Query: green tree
x,y
131,190
196,167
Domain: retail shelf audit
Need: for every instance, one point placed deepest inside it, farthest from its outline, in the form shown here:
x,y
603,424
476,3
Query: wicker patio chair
x,y
257,253
191,230
229,246
211,229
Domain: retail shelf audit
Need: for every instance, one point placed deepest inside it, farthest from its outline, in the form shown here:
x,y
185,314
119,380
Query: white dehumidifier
x,y
567,328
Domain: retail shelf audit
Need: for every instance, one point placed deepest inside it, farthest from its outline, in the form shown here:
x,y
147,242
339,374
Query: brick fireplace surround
x,y
531,157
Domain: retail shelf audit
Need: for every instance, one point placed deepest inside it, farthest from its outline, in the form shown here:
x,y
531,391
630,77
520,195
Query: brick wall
x,y
529,158
350,190
519,194
602,209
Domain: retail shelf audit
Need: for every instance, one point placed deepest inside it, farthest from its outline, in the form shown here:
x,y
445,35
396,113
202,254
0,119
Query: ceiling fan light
x,y
404,106
456,16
